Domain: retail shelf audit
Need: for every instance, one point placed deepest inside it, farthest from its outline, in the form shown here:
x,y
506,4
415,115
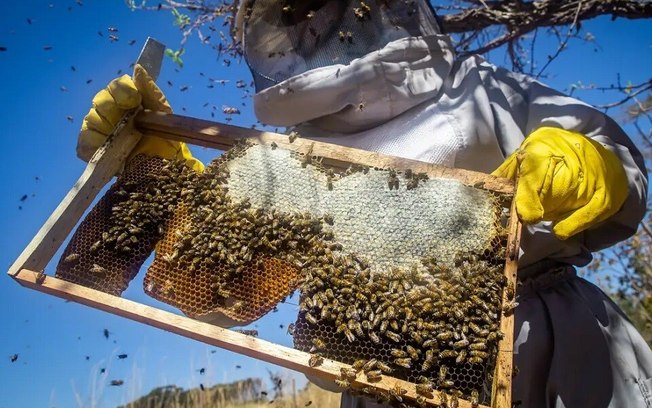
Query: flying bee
x,y
293,136
97,269
403,362
71,258
341,35
374,375
273,145
315,360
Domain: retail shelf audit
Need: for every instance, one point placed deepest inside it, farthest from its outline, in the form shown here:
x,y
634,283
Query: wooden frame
x,y
28,269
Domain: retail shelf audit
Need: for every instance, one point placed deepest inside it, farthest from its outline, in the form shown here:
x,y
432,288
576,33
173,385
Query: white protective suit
x,y
412,99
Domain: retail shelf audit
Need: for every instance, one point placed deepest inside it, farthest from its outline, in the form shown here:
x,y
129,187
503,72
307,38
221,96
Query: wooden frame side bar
x,y
221,136
207,333
107,161
502,391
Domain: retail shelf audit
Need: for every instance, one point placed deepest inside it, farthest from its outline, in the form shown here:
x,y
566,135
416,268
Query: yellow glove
x,y
567,178
110,104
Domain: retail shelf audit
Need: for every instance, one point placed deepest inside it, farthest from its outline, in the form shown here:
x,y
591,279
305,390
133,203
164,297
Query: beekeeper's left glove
x,y
567,178
111,103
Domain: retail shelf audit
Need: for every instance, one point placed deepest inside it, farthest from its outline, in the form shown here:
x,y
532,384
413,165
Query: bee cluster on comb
x,y
399,274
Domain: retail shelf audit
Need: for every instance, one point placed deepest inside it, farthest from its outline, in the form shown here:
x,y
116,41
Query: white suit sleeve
x,y
533,105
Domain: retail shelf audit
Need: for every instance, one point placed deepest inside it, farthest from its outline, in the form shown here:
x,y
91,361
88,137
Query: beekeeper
x,y
380,76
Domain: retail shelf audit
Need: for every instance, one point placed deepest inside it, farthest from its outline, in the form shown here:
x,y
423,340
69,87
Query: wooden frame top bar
x,y
221,136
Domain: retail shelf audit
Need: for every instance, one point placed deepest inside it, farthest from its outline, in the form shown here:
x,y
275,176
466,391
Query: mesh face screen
x,y
395,269
284,39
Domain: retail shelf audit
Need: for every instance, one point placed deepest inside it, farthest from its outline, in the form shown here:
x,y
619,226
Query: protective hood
x,y
363,94
282,39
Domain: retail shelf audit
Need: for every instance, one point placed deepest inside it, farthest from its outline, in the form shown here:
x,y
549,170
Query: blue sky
x,y
53,338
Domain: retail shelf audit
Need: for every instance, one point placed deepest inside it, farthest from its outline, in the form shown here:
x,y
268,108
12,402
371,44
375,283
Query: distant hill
x,y
249,393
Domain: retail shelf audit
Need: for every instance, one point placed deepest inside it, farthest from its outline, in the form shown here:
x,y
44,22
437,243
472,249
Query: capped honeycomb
x,y
399,274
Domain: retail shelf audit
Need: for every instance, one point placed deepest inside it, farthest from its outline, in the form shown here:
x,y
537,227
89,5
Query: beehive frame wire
x,y
28,269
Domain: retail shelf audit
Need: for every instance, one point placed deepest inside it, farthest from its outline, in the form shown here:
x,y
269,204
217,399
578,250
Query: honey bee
x,y
397,392
475,398
509,291
168,287
412,352
461,357
403,362
393,336
311,319
448,354
444,336
461,343
318,343
481,354
442,372
349,373
454,402
96,246
71,258
358,364
369,365
508,307
475,360
478,346
97,269
425,389
342,383
374,375
384,367
374,337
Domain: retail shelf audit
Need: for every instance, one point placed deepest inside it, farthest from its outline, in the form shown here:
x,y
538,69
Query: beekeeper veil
x,y
281,39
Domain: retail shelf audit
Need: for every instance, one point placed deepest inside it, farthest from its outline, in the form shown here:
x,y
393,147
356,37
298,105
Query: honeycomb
x,y
395,270
94,257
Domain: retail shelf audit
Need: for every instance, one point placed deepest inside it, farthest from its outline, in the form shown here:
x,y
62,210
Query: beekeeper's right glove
x,y
110,104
